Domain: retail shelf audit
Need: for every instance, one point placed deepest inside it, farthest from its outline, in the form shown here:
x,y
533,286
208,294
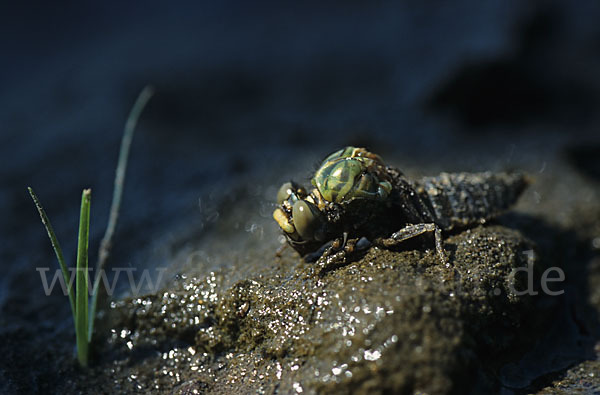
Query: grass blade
x,y
105,244
57,249
81,284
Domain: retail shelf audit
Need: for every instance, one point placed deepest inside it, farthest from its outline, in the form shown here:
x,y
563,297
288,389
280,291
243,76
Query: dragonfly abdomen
x,y
466,199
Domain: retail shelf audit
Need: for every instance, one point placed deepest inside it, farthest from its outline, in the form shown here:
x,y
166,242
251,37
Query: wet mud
x,y
242,107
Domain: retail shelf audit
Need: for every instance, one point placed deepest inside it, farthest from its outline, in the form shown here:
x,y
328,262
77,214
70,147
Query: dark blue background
x,y
249,93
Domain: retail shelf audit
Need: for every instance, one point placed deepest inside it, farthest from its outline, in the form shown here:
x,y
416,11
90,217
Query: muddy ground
x,y
247,98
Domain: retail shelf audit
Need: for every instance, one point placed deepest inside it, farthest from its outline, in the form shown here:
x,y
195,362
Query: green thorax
x,y
352,173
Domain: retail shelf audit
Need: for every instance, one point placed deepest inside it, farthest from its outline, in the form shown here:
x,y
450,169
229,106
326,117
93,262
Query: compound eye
x,y
284,192
307,220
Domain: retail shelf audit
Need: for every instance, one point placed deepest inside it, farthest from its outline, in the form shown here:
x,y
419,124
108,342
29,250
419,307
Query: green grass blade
x,y
57,249
105,244
81,284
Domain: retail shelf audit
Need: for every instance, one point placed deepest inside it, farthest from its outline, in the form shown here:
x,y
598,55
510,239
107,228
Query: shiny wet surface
x,y
234,118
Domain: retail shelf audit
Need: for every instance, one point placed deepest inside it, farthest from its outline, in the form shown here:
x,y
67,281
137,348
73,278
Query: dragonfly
x,y
357,201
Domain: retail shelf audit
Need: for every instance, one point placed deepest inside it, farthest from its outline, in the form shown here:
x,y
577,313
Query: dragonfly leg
x,y
414,230
341,251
